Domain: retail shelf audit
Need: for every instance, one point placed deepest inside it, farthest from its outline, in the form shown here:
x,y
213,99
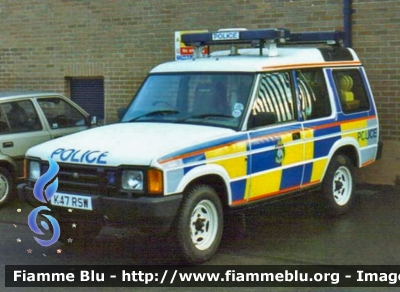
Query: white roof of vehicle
x,y
19,94
249,60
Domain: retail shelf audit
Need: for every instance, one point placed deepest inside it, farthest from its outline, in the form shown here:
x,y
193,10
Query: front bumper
x,y
149,214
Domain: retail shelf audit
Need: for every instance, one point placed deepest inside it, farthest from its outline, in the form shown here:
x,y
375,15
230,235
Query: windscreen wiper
x,y
155,113
203,116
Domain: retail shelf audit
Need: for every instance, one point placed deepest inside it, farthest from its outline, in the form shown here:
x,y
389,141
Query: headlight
x,y
34,170
132,180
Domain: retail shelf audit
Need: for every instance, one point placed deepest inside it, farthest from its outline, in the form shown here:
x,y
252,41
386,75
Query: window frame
x,y
51,123
318,103
29,118
359,84
254,97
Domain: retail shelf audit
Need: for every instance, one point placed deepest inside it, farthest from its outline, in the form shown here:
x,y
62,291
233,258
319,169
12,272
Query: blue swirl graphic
x,y
43,180
33,226
48,193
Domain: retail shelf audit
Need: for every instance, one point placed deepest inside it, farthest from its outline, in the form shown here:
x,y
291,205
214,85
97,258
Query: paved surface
x,y
290,232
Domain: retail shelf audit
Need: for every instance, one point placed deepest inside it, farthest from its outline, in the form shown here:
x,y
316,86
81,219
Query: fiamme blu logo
x,y
44,196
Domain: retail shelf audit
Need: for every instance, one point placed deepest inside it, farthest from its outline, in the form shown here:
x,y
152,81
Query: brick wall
x,y
44,41
377,40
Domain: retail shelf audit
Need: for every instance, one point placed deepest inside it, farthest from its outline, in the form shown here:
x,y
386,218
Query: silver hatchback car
x,y
28,119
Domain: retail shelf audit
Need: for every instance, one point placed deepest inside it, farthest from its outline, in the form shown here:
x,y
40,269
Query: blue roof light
x,y
329,37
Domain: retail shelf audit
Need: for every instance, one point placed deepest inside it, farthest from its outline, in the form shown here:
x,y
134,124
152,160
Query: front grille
x,y
86,180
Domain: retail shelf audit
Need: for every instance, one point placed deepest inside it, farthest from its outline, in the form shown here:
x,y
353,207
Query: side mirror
x,y
120,112
262,119
93,120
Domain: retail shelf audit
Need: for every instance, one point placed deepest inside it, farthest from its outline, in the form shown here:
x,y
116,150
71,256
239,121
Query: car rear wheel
x,y
6,186
199,224
338,185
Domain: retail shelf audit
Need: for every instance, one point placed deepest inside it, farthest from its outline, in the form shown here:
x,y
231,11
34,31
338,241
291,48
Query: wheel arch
x,y
348,147
350,152
214,176
8,180
10,165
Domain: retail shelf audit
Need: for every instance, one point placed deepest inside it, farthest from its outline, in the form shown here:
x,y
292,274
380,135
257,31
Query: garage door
x,y
89,94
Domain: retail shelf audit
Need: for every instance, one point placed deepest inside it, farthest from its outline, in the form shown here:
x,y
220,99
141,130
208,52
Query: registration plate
x,y
72,201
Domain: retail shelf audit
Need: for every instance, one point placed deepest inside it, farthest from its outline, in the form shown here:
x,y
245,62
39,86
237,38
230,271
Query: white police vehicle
x,y
220,133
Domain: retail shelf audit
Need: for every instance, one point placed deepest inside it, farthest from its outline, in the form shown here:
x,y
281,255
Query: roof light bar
x,y
234,37
260,37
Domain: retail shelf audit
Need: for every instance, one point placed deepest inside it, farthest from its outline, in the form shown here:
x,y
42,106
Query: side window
x,y
313,94
61,114
275,97
4,126
351,90
22,116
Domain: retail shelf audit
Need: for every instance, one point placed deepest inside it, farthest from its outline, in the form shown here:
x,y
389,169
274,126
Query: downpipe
x,y
347,12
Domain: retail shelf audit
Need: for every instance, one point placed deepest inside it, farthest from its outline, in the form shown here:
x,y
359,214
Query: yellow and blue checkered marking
x,y
269,162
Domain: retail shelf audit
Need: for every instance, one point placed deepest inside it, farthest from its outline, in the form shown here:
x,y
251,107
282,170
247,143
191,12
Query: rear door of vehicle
x,y
321,128
20,129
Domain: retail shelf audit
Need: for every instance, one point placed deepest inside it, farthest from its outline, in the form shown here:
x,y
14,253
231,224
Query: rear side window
x,y
351,90
21,116
313,94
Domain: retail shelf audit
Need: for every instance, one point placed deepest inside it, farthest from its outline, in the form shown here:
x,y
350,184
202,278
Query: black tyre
x,y
338,185
6,186
199,224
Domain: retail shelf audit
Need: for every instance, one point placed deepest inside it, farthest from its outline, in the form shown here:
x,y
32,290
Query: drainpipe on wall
x,y
347,12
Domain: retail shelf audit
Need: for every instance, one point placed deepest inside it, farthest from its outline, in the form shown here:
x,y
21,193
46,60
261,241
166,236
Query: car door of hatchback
x,y
20,129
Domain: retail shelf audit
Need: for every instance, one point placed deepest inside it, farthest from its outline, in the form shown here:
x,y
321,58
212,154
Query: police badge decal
x,y
279,152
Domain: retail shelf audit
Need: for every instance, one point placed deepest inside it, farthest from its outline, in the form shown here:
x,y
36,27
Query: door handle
x,y
296,136
8,144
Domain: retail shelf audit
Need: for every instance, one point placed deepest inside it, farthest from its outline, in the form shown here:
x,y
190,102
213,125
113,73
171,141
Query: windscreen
x,y
200,98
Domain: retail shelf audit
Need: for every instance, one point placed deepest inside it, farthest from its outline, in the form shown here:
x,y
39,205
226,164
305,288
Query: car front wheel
x,y
199,224
6,186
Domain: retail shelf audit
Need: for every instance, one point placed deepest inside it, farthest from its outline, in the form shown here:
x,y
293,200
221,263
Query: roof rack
x,y
260,37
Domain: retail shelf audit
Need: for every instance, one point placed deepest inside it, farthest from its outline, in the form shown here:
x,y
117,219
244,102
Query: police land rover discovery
x,y
276,114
